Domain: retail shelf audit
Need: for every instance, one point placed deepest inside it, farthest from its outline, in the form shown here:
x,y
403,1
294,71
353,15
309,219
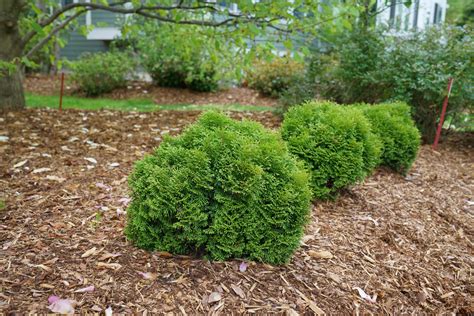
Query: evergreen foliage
x,y
222,188
393,124
335,142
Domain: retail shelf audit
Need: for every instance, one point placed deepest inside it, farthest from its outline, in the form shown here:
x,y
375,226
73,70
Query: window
x,y
415,15
393,9
438,14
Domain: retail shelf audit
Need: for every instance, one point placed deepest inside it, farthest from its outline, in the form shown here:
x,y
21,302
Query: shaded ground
x,y
50,85
407,240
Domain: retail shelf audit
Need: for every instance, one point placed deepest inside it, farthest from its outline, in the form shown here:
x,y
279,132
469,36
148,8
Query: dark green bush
x,y
178,57
393,124
371,67
101,72
223,189
275,76
335,142
301,90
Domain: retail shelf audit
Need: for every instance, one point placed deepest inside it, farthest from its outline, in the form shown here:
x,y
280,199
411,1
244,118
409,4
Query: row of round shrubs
x,y
340,145
229,189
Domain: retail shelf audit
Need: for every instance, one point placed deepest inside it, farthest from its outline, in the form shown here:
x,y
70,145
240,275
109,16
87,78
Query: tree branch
x,y
53,32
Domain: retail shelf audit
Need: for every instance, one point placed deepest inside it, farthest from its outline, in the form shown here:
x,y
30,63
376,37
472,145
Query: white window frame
x,y
102,33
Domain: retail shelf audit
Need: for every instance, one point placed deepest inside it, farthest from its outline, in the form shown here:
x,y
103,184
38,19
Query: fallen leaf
x,y
96,308
366,296
112,266
20,164
291,312
42,266
214,297
238,291
124,201
109,255
336,278
103,186
108,311
324,254
147,275
89,252
62,306
85,289
120,212
55,178
243,267
41,170
91,160
53,298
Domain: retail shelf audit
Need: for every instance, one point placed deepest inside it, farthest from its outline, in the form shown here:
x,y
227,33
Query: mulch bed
x,y
50,85
407,240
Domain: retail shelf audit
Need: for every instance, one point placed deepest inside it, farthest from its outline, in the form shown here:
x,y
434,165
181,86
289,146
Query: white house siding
x,y
416,17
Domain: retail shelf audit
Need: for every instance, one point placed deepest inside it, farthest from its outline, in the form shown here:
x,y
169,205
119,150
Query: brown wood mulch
x,y
405,242
50,85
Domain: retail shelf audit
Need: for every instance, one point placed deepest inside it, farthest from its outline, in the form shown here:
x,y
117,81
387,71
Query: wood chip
x,y
324,254
238,291
214,297
89,252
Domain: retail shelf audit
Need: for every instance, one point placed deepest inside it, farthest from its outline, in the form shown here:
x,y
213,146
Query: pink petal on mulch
x,y
53,298
62,306
124,201
243,267
86,289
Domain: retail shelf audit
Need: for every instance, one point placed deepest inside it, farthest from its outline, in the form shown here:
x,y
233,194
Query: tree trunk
x,y
11,47
11,91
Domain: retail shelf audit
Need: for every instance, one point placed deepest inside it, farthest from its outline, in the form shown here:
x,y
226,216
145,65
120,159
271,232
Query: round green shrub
x,y
224,189
335,143
393,124
101,72
274,77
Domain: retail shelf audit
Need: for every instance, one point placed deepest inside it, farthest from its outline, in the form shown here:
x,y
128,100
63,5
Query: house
x,y
395,14
418,16
106,28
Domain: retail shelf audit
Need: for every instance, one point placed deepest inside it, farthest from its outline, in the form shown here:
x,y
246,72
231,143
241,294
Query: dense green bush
x,y
275,76
178,57
335,142
222,188
393,124
371,67
101,72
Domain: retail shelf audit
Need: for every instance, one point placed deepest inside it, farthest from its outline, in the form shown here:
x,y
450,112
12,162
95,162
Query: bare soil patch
x,y
408,240
50,85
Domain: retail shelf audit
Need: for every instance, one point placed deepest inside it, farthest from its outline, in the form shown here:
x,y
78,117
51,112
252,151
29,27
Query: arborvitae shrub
x,y
335,143
222,188
396,129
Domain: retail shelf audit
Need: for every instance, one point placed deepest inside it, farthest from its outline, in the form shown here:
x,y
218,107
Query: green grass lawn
x,y
141,105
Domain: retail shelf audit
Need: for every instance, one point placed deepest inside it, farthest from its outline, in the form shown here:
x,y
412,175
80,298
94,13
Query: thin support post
x,y
443,113
61,92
